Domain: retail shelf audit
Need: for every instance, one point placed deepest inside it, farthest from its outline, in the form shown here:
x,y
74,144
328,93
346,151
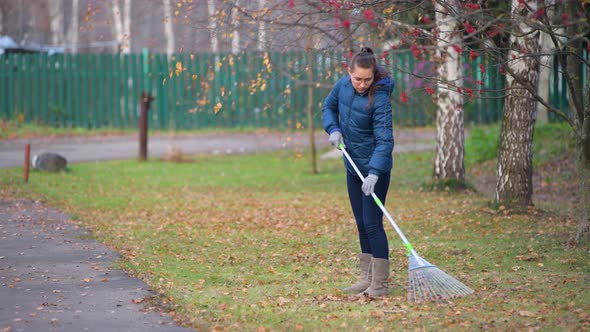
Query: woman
x,y
357,114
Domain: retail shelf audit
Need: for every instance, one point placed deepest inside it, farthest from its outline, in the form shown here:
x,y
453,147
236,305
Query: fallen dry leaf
x,y
524,313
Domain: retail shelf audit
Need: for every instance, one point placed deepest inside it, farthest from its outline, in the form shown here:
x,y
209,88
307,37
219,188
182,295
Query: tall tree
x,y
261,26
127,26
571,57
235,23
56,15
213,26
448,162
168,29
73,35
122,26
515,157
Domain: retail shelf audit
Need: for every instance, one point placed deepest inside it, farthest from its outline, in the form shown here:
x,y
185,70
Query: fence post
x,y
27,161
146,99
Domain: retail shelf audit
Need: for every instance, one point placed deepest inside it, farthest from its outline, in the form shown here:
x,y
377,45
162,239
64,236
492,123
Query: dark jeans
x,y
368,216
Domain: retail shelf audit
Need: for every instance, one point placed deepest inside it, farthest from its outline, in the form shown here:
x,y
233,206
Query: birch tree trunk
x,y
117,24
122,25
235,38
514,186
546,61
544,75
56,25
261,27
213,26
127,28
449,159
168,30
74,27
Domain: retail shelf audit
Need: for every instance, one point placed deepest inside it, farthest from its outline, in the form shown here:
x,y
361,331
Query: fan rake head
x,y
426,282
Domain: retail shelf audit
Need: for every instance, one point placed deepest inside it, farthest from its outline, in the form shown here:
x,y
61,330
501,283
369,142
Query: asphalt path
x,y
101,148
53,277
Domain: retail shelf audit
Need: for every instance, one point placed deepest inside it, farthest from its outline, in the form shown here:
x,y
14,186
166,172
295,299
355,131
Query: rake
x,y
426,282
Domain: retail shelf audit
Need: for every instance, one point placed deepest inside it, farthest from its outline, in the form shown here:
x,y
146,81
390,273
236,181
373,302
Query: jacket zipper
x,y
350,110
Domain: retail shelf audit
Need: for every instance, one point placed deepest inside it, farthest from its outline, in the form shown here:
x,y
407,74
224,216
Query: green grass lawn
x,y
258,243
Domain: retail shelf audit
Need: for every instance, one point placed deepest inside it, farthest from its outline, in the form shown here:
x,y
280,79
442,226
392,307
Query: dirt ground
x,y
555,184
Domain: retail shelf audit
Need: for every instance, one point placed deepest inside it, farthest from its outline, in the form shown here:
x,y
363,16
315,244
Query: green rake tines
x,y
426,282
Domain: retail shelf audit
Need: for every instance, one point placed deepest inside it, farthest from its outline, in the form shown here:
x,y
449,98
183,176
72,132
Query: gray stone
x,y
49,162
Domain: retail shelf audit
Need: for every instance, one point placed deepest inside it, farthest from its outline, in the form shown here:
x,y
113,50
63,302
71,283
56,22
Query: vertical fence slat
x,y
4,77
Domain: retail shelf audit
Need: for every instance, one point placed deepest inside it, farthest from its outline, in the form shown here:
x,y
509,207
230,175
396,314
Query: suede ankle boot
x,y
365,276
380,270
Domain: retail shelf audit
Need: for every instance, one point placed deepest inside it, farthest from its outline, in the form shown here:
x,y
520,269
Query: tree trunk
x,y
583,119
583,233
235,38
126,49
544,74
117,24
546,62
74,26
449,163
261,27
56,14
38,26
514,186
122,26
213,26
168,30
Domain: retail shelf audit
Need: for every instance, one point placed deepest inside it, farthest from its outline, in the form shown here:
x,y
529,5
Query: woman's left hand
x,y
369,184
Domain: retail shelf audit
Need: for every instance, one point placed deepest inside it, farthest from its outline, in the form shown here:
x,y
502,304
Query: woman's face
x,y
361,78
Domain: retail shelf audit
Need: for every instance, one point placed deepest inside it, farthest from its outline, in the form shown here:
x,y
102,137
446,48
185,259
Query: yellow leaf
x,y
217,107
388,10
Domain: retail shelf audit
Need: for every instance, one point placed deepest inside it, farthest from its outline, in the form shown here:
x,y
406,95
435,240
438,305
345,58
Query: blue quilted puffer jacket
x,y
367,131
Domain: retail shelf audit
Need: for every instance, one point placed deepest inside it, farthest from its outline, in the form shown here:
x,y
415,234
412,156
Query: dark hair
x,y
366,59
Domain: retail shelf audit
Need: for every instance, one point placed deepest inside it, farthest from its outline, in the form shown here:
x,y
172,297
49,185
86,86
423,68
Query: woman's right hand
x,y
336,139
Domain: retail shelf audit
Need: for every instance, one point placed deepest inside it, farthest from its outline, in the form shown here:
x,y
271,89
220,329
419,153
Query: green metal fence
x,y
195,91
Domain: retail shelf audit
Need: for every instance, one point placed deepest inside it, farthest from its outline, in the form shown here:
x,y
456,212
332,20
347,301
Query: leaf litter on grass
x,y
246,258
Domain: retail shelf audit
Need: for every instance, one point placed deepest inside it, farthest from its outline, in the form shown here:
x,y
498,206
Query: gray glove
x,y
336,139
369,184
